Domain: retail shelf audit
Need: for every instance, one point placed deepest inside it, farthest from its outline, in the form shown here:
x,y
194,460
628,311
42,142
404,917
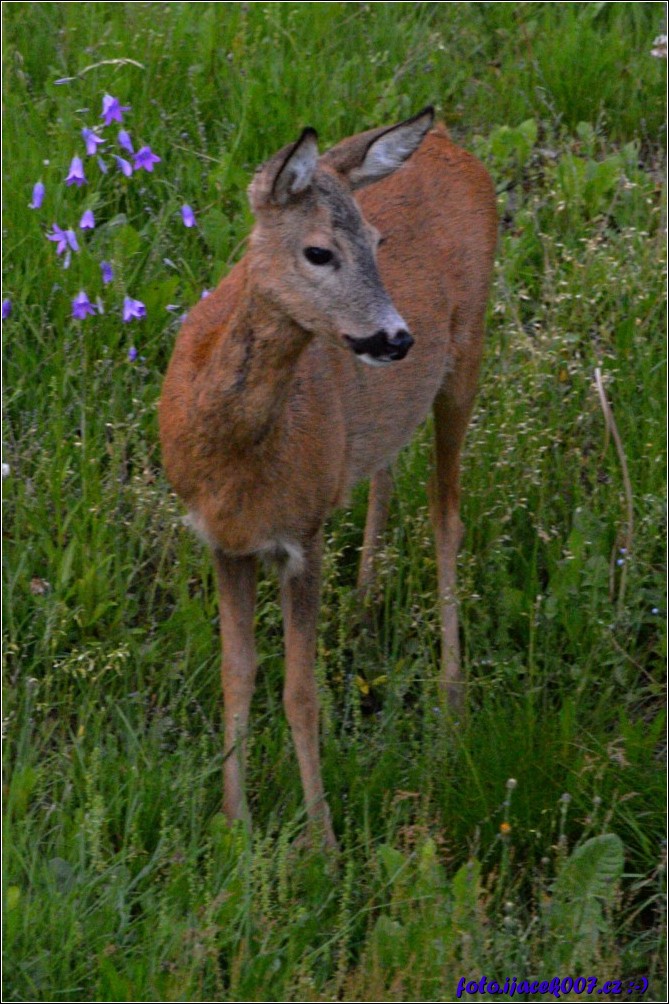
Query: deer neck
x,y
251,372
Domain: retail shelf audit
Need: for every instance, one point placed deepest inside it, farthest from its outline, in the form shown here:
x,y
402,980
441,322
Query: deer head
x,y
311,251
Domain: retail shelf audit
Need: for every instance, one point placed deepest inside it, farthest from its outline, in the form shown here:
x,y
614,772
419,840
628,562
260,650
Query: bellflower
x,y
146,158
76,175
188,216
64,239
82,307
107,273
132,354
103,167
92,141
205,293
6,308
87,221
112,109
133,309
38,195
125,141
123,165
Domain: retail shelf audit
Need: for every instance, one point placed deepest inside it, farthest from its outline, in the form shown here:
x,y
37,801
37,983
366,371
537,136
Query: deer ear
x,y
287,173
373,155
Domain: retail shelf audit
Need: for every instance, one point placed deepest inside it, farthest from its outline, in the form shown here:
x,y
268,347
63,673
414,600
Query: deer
x,y
357,307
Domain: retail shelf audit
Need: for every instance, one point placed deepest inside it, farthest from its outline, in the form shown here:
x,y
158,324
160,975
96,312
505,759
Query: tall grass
x,y
523,840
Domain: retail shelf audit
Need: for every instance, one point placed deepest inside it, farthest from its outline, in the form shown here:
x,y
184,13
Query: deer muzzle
x,y
382,346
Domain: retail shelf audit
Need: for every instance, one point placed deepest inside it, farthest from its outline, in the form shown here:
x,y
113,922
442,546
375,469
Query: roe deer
x,y
269,416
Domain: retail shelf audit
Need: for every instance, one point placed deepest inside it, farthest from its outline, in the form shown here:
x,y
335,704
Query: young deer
x,y
269,416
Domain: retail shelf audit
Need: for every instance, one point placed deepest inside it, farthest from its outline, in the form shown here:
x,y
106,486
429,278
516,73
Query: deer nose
x,y
397,343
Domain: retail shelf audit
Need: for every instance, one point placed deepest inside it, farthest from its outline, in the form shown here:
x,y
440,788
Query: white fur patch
x,y
196,523
286,554
371,361
289,556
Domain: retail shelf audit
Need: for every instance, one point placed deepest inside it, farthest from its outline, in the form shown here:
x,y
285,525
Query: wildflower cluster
x,y
98,149
66,240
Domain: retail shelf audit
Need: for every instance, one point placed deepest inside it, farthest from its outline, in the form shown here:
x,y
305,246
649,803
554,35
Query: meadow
x,y
522,840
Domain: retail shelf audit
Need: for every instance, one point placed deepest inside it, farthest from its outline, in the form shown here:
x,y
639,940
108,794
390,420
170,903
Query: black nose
x,y
398,343
381,346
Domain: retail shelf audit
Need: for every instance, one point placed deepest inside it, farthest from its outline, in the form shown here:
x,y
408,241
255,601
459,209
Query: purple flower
x,y
123,165
146,158
6,308
92,141
101,164
112,109
133,308
132,354
82,307
188,216
107,273
205,293
65,239
76,175
87,221
58,235
38,195
125,141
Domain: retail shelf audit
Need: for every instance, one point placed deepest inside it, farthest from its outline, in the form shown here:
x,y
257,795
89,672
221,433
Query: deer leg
x,y
237,594
378,506
300,600
450,422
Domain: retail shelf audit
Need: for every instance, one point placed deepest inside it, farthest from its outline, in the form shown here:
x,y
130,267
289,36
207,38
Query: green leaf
x,y
466,888
216,230
393,861
389,943
586,883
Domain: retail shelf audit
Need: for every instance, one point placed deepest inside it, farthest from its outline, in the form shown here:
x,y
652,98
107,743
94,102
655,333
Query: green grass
x,y
121,881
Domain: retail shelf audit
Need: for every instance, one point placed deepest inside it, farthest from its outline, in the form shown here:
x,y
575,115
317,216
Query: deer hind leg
x,y
300,600
378,507
237,594
450,424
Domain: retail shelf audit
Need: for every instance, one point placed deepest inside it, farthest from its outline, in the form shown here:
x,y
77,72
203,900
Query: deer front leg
x,y
450,426
300,600
237,595
378,505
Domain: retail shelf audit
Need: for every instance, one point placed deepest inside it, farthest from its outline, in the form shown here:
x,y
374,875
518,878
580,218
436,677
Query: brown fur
x,y
266,426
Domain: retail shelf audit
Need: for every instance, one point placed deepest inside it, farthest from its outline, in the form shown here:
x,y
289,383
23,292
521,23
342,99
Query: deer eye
x,y
318,256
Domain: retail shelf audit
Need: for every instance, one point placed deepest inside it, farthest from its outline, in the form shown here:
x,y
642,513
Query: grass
x,y
121,880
